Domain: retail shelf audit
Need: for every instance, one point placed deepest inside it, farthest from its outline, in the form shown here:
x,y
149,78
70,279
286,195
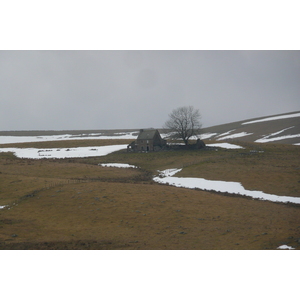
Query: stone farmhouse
x,y
147,140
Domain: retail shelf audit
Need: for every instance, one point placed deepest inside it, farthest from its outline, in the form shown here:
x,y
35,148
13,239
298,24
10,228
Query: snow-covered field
x,y
238,130
35,153
38,153
65,137
92,136
232,134
166,177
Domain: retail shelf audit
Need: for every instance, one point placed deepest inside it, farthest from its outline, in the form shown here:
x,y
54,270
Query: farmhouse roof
x,y
147,134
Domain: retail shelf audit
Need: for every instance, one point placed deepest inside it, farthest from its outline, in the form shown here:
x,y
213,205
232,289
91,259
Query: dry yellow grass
x,y
125,209
20,177
145,216
273,169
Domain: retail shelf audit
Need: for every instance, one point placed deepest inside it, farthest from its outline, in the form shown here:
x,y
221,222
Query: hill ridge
x,y
281,128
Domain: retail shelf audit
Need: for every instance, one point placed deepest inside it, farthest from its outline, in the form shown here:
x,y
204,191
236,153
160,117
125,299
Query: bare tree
x,y
184,122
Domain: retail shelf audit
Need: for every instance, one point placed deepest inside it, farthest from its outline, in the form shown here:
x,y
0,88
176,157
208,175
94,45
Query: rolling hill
x,y
244,198
283,129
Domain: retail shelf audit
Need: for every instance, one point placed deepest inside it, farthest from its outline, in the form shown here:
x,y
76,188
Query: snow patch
x,y
234,136
225,145
266,139
219,186
168,172
279,138
273,118
208,135
166,135
225,133
281,131
35,153
117,165
285,247
50,138
176,144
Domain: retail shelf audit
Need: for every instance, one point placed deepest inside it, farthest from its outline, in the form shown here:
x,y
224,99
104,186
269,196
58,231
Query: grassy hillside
x,y
77,204
282,127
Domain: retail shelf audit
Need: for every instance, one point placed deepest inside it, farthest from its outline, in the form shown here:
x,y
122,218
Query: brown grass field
x,y
77,204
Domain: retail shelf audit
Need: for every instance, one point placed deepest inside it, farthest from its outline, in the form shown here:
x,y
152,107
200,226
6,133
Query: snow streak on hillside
x,y
273,118
283,129
271,138
233,136
225,146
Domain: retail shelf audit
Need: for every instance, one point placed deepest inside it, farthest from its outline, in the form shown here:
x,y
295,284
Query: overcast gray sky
x,y
58,90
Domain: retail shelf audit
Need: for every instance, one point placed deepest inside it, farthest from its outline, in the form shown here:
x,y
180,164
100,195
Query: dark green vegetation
x,y
77,204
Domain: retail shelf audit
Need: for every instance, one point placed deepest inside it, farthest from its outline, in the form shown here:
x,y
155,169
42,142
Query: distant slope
x,y
283,129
